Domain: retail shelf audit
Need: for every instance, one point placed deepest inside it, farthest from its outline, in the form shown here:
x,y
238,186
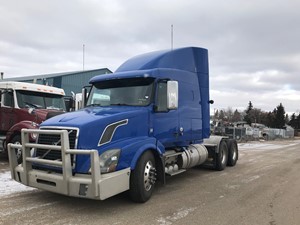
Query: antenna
x,y
172,37
83,57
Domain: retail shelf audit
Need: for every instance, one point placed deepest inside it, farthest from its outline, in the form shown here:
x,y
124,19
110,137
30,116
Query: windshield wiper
x,y
93,105
120,104
32,105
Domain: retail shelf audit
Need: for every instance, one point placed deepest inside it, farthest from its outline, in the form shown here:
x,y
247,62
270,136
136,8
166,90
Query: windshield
x,y
131,91
39,100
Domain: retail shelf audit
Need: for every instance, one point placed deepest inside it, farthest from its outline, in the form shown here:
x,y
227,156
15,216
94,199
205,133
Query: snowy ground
x,y
267,145
9,186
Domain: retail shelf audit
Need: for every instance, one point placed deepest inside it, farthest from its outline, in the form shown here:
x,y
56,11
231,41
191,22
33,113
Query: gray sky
x,y
253,45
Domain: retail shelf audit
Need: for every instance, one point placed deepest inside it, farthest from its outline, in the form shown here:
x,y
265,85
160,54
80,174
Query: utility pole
x,y
83,56
172,37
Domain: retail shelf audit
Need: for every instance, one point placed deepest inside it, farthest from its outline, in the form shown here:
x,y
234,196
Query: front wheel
x,y
143,177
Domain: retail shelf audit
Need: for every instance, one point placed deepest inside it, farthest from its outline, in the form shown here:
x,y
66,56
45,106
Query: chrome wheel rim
x,y
234,153
18,150
223,156
149,175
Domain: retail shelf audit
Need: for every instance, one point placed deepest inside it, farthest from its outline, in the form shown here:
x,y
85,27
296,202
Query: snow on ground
x,y
9,186
181,213
266,145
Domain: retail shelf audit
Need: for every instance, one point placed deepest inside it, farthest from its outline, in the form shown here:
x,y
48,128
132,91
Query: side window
x,y
162,97
8,99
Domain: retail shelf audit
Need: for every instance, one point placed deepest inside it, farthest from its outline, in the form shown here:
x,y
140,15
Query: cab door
x,y
7,112
165,121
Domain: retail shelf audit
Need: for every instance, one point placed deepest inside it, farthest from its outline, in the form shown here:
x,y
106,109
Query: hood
x,y
102,128
92,122
39,115
90,115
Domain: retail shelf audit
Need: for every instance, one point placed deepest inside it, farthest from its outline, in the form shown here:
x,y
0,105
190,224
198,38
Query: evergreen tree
x,y
279,113
270,119
293,117
247,117
250,107
295,121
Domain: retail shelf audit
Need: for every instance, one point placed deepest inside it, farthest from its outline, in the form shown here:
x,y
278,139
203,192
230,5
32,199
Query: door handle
x,y
180,132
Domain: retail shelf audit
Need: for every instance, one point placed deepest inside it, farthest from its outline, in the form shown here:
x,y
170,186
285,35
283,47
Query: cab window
x,y
7,98
162,97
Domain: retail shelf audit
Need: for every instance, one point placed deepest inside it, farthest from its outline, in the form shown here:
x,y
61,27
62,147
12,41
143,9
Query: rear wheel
x,y
143,177
221,157
233,153
17,140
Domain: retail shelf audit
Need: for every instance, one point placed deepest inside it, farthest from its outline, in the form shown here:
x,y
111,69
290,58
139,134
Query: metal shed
x,y
69,81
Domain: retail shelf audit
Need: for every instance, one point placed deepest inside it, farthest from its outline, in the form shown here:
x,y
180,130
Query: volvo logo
x,y
59,141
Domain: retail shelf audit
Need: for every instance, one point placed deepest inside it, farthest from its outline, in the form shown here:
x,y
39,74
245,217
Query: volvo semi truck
x,y
148,120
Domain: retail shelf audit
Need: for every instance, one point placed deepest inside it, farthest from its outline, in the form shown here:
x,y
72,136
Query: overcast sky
x,y
254,46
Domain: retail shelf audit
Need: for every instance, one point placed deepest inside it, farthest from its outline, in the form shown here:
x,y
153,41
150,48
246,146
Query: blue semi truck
x,y
148,120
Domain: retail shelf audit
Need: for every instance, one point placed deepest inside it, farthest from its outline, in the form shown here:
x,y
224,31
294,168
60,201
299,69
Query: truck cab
x,y
25,105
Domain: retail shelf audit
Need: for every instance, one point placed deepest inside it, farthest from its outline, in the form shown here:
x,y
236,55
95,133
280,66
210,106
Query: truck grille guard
x,y
65,163
55,139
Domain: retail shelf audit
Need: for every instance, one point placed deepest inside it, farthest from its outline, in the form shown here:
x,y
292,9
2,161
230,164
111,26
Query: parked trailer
x,y
148,120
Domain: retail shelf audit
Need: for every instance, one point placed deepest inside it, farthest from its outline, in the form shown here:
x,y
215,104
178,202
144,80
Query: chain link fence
x,y
243,134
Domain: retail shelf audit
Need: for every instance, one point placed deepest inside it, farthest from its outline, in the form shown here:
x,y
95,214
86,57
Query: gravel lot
x,y
263,188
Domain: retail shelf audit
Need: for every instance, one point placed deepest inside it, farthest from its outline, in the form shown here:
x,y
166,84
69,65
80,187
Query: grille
x,y
52,139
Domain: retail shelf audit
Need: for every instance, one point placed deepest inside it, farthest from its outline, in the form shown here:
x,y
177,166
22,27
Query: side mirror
x,y
69,103
172,92
31,111
83,97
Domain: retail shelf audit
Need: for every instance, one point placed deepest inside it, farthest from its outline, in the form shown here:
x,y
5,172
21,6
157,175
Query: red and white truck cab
x,y
26,105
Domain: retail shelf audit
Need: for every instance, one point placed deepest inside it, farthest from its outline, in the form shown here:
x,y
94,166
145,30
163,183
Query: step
x,y
176,172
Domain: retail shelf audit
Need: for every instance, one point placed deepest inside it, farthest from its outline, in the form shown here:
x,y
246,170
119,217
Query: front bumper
x,y
93,186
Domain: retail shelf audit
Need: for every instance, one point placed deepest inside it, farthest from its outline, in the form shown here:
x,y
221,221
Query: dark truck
x,y
26,105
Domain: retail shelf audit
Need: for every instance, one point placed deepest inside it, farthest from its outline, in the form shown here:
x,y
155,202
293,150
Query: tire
x,y
221,157
17,140
142,179
233,153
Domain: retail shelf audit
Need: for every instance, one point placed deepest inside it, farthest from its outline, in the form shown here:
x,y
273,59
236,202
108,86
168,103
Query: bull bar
x,y
94,185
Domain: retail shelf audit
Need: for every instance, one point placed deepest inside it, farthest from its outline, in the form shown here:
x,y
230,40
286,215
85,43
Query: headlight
x,y
33,136
109,160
